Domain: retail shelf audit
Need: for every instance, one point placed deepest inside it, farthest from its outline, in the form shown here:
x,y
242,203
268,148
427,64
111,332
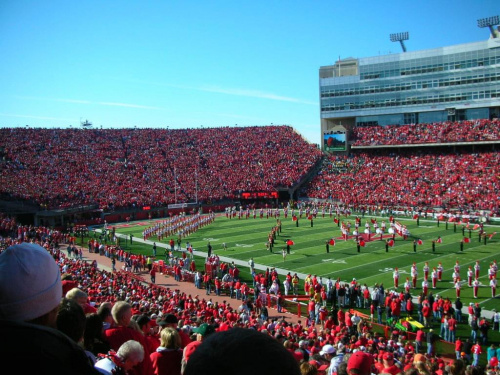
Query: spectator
x,y
121,332
81,298
93,340
71,321
360,363
202,332
224,352
30,294
167,358
129,355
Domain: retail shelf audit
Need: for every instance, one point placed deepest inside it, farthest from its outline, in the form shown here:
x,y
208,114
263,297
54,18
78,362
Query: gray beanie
x,y
30,282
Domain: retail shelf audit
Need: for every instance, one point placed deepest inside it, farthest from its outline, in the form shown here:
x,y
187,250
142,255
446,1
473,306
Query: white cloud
x,y
254,94
230,91
36,117
80,101
128,105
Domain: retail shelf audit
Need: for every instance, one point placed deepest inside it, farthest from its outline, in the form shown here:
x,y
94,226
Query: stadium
x,y
407,179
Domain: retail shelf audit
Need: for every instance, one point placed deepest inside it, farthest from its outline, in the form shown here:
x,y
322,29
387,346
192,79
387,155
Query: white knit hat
x,y
30,282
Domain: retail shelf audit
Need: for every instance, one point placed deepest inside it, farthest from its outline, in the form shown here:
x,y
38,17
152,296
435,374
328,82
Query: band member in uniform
x,y
414,274
493,286
477,268
426,271
475,287
469,276
440,271
434,277
395,276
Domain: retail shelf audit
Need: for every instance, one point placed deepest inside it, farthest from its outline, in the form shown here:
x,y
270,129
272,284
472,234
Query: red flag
x,y
294,218
391,243
420,242
440,217
415,216
336,221
332,242
373,221
467,226
439,240
362,243
475,226
492,234
290,242
451,219
310,217
466,240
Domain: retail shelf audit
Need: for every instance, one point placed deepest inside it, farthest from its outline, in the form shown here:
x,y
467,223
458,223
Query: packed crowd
x,y
131,167
441,132
435,179
171,325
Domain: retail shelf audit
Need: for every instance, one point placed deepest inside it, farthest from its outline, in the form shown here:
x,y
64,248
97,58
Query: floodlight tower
x,y
489,22
400,37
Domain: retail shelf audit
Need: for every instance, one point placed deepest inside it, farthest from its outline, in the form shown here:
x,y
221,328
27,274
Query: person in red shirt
x,y
419,340
389,366
68,283
476,353
458,348
311,306
82,299
152,273
168,357
379,363
452,328
426,312
217,285
121,332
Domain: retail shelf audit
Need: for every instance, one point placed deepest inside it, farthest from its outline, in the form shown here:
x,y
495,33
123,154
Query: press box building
x,y
460,82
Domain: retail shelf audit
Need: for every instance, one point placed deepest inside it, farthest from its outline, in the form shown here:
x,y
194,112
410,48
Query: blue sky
x,y
201,63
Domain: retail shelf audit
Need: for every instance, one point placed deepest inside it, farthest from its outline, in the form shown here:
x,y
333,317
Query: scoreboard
x,y
259,195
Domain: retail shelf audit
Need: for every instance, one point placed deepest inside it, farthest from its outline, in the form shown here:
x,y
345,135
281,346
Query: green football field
x,y
246,238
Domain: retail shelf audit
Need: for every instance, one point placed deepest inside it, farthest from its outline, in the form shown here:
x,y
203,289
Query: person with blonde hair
x,y
168,356
82,299
308,369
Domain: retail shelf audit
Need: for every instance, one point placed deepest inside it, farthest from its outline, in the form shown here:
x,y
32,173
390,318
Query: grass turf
x,y
246,238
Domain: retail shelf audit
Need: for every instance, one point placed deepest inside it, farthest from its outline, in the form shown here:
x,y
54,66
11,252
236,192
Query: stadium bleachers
x,y
128,167
411,178
446,132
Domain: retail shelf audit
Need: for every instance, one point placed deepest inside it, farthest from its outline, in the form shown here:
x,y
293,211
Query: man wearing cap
x,y
327,353
30,294
202,332
337,360
389,366
360,363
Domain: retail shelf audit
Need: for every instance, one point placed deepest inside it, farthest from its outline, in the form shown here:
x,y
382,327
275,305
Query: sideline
x,y
486,313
